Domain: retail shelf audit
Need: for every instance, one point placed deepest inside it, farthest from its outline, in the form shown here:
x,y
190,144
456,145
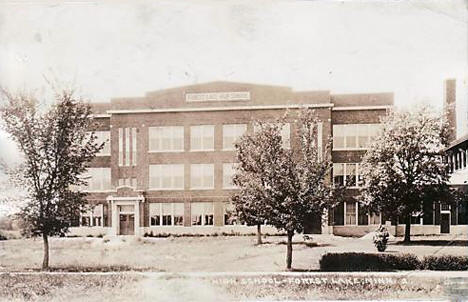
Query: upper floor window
x,y
202,176
228,173
103,137
128,182
354,136
127,146
231,133
166,139
346,174
99,179
166,177
202,138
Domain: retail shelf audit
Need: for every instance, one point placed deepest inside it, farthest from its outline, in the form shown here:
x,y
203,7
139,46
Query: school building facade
x,y
168,163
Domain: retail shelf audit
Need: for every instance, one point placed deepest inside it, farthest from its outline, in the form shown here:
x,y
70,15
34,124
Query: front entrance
x,y
444,223
127,224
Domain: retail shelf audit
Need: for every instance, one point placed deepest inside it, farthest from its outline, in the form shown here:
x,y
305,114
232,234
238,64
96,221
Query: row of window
x,y
172,177
171,138
164,177
169,214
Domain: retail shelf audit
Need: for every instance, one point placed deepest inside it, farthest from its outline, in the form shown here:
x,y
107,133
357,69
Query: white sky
x,y
112,49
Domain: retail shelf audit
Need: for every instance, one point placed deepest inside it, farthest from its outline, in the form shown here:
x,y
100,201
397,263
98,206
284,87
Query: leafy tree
x,y
57,148
404,166
283,186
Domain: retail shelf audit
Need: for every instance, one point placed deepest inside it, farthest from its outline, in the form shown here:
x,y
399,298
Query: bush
x,y
368,262
445,263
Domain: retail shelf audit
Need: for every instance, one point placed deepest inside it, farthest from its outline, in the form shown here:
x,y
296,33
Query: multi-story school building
x,y
168,163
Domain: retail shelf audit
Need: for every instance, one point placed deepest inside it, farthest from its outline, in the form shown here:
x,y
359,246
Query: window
x,y
166,214
202,176
127,146
202,138
230,214
228,173
338,174
350,210
93,217
202,213
128,182
166,177
166,139
374,218
103,137
231,133
346,174
99,179
354,136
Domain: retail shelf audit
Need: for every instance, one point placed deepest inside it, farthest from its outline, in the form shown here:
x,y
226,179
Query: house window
x,y
230,214
231,133
202,176
202,213
99,179
166,214
228,173
166,177
354,136
346,174
350,210
202,138
127,146
92,217
166,139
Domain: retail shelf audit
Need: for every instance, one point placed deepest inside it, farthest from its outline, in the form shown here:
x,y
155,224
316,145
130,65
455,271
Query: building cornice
x,y
208,109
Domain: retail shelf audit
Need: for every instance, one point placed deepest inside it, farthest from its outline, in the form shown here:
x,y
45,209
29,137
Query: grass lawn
x,y
200,254
153,287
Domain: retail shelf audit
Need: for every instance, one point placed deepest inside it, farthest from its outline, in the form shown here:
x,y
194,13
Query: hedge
x,y
368,262
445,263
342,262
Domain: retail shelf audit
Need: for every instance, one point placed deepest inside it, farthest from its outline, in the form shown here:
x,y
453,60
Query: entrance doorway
x,y
444,223
127,224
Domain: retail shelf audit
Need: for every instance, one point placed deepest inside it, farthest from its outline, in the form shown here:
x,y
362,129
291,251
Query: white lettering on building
x,y
217,96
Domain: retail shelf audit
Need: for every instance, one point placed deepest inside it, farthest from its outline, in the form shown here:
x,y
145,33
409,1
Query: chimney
x,y
450,107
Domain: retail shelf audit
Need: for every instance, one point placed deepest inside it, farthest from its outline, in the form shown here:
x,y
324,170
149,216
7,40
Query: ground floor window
x,y
375,218
230,217
92,217
166,214
202,213
350,216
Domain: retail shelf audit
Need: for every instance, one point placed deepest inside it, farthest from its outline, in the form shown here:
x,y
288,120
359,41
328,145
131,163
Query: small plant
x,y
381,238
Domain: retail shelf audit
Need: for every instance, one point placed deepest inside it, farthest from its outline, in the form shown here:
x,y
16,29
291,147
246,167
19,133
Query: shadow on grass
x,y
306,243
435,242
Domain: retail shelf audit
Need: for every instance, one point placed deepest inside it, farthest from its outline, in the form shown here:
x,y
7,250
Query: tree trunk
x,y
45,262
289,250
259,233
408,229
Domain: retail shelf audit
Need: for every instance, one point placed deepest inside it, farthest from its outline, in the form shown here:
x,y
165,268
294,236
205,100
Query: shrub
x,y
445,263
368,262
3,237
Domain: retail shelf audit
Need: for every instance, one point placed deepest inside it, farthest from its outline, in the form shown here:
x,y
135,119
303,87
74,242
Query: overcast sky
x,y
113,49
